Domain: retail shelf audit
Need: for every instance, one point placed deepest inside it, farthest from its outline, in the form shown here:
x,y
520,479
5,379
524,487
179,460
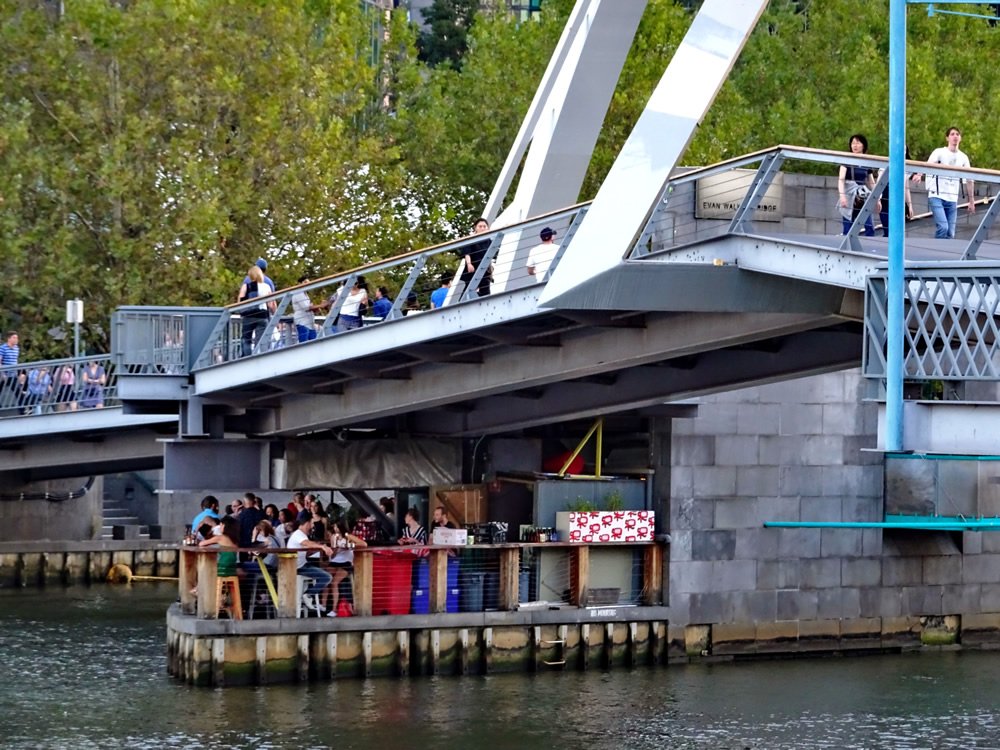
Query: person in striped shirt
x,y
9,353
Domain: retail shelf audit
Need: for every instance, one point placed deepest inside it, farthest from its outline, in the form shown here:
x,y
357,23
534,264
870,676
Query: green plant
x,y
581,505
614,501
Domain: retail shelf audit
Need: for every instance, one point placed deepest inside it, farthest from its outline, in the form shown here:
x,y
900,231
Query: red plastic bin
x,y
392,572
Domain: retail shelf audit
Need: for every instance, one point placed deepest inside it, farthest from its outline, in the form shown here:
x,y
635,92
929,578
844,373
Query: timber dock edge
x,y
257,652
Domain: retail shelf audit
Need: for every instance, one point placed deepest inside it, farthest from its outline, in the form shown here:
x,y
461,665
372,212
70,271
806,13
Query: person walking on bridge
x,y
942,192
473,255
254,318
854,184
9,354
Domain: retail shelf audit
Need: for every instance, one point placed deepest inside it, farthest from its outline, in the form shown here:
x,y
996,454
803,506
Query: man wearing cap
x,y
541,255
299,540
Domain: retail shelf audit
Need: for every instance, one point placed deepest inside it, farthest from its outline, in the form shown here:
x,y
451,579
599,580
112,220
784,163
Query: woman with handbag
x,y
854,185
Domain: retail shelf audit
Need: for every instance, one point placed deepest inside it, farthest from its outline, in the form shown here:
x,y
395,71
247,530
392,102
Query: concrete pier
x,y
53,563
257,652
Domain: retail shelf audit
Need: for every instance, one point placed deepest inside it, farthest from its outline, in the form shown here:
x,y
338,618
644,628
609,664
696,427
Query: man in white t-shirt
x,y
942,192
540,257
299,540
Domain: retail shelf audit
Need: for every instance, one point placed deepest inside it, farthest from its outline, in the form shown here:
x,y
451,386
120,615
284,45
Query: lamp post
x,y
74,315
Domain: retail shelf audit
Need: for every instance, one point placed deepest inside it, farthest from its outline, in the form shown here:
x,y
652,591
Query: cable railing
x,y
58,385
422,580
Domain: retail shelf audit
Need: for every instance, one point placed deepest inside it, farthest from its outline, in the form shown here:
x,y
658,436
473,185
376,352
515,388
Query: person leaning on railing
x,y
226,536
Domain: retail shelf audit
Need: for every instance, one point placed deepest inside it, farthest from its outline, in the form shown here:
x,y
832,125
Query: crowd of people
x,y
355,303
42,388
249,533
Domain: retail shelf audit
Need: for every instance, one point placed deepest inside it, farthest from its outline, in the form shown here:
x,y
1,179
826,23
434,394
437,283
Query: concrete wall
x,y
55,519
794,452
136,491
785,452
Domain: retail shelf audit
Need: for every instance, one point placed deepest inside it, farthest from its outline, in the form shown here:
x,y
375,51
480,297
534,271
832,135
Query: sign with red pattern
x,y
610,526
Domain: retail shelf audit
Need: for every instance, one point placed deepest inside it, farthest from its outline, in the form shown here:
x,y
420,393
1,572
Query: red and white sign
x,y
610,526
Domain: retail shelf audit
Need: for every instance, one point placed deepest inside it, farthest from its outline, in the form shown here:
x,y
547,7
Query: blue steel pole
x,y
897,202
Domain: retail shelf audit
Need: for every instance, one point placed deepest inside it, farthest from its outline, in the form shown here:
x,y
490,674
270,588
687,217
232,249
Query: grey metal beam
x,y
443,353
803,258
638,176
428,328
565,117
110,420
803,354
586,352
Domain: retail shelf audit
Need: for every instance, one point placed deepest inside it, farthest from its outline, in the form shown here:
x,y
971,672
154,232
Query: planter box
x,y
605,526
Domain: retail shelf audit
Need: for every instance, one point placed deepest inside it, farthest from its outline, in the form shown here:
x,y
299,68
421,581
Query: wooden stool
x,y
235,608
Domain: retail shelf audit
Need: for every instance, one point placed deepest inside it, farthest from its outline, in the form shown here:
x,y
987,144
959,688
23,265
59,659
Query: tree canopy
x,y
150,151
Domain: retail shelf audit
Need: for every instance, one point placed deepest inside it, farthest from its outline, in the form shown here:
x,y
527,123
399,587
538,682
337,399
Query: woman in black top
x,y
850,182
473,256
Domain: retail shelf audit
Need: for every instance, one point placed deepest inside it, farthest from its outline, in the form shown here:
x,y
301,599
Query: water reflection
x,y
86,668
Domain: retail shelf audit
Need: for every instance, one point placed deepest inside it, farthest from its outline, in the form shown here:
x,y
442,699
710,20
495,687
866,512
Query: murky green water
x,y
86,668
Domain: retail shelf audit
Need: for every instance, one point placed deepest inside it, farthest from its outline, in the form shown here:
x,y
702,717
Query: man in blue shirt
x,y
9,353
209,513
438,295
382,305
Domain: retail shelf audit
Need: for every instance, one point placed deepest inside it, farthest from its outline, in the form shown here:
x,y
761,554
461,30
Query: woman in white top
x,y
342,563
350,311
303,315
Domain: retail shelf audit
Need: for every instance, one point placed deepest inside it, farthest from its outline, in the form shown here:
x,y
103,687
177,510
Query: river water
x,y
86,668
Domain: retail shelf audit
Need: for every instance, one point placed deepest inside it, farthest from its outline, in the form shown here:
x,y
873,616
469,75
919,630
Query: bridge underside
x,y
704,329
82,453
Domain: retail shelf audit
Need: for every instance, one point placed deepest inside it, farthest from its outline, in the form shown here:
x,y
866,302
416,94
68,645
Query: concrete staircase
x,y
115,513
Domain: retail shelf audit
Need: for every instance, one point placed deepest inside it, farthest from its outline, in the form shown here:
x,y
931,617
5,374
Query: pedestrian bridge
x,y
740,276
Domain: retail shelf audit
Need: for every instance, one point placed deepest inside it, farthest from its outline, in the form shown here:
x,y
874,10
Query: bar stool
x,y
301,584
235,607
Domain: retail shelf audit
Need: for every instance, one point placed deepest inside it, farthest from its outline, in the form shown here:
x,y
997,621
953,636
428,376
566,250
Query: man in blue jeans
x,y
300,540
942,192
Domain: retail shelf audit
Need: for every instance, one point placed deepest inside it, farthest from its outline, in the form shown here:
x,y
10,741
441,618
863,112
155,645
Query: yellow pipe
x,y
600,446
267,580
572,456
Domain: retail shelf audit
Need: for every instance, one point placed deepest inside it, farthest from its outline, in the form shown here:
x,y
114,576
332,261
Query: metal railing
x,y
291,319
58,385
791,191
160,340
951,323
785,192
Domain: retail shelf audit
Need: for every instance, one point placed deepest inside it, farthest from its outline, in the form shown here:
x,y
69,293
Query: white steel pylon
x,y
660,137
566,114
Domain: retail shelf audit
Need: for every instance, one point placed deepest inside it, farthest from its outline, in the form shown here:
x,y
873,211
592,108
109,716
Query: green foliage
x,y
614,501
581,505
446,39
151,150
